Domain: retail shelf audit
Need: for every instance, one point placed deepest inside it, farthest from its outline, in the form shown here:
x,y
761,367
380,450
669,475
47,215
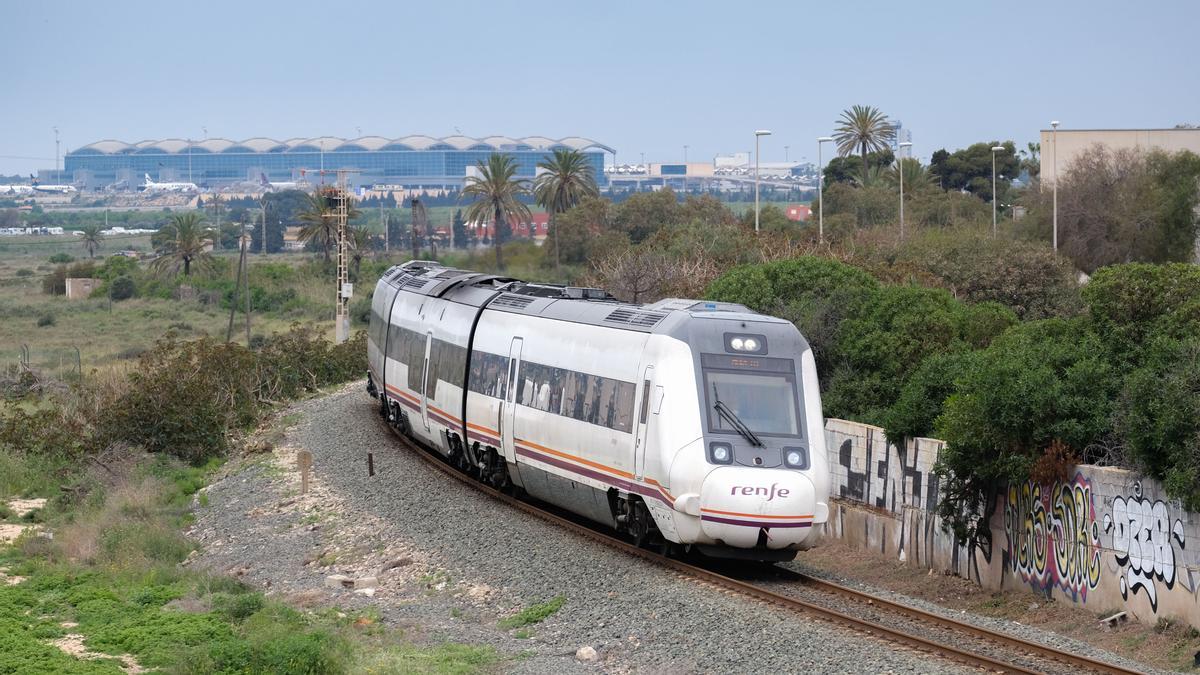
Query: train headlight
x,y
795,458
745,344
720,453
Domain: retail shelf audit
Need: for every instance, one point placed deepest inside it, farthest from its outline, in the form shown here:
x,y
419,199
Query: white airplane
x,y
55,189
16,189
272,187
151,186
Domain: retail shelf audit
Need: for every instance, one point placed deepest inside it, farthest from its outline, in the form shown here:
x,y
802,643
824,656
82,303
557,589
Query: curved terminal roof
x,y
335,144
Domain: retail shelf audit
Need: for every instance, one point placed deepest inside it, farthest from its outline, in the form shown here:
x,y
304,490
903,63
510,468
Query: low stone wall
x,y
1107,539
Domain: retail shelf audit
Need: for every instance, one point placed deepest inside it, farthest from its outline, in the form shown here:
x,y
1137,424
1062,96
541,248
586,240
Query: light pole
x,y
785,152
685,170
900,170
1054,151
995,149
757,135
57,177
821,189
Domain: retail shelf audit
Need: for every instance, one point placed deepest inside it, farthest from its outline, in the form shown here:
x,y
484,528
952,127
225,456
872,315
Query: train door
x,y
424,382
508,406
639,447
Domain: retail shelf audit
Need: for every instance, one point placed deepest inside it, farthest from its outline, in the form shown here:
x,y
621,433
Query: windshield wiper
x,y
728,415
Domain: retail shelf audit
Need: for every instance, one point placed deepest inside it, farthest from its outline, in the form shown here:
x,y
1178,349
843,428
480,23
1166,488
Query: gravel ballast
x,y
449,563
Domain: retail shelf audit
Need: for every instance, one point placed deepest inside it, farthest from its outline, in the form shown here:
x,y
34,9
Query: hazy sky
x,y
643,77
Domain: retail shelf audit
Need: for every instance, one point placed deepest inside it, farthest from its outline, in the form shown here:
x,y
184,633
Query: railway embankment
x,y
451,566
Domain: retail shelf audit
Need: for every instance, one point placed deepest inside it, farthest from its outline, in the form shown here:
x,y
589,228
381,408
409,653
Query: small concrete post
x,y
370,464
304,463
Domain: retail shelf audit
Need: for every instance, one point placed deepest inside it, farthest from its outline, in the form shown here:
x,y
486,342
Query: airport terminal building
x,y
414,162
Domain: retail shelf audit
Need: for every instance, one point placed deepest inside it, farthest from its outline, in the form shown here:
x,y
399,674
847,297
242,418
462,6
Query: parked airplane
x,y
151,186
16,189
272,187
55,189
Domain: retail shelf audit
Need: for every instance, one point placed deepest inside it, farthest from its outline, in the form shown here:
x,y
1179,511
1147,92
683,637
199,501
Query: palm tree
x,y
359,240
186,237
567,179
863,129
320,222
91,239
496,193
916,175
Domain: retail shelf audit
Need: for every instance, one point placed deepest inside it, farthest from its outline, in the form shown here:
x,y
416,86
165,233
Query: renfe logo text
x,y
752,491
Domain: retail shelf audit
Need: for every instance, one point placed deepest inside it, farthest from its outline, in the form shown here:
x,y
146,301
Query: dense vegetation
x,y
1115,383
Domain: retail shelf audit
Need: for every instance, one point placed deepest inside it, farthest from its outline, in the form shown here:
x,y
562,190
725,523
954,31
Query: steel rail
x,y
785,601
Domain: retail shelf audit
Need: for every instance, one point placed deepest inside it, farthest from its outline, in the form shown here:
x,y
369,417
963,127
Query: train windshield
x,y
764,402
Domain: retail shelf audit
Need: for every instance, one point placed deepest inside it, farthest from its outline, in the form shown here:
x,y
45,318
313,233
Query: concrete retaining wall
x,y
1108,539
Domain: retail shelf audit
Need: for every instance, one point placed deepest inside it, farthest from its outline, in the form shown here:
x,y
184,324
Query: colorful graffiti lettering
x,y
1144,539
1053,538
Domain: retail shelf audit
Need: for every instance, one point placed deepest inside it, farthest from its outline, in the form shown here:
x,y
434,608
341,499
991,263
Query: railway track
x,y
919,629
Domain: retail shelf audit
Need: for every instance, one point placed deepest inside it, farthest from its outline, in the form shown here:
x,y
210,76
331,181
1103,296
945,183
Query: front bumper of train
x,y
755,508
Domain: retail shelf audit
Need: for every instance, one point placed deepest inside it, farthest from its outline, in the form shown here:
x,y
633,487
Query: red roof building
x,y
798,212
536,228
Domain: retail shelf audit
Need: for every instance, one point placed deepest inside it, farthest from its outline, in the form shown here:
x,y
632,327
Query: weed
x,y
202,499
445,659
533,614
456,613
523,634
45,320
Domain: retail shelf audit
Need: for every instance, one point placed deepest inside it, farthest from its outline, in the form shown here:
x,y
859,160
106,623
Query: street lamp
x,y
995,149
759,133
685,170
821,189
900,170
1054,142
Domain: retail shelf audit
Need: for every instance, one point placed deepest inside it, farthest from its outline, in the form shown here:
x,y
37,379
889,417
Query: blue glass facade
x,y
438,164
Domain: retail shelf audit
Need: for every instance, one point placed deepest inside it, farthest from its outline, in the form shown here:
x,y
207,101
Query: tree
x,y
359,241
185,242
91,238
578,230
1123,205
848,169
645,213
566,180
496,193
1031,160
458,226
320,221
970,169
917,178
863,129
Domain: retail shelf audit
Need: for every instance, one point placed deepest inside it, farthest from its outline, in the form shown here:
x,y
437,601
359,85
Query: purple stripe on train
x,y
752,523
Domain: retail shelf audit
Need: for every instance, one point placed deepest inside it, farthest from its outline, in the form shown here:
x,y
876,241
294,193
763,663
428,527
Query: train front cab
x,y
756,493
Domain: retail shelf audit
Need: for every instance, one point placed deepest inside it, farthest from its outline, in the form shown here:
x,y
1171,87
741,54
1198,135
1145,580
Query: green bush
x,y
45,320
1130,304
921,398
122,288
1158,415
186,396
62,258
1037,383
24,272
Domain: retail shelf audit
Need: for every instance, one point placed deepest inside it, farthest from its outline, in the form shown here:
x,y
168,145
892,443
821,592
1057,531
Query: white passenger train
x,y
683,422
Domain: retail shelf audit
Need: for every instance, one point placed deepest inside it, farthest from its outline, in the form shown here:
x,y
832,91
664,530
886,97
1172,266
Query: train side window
x,y
626,392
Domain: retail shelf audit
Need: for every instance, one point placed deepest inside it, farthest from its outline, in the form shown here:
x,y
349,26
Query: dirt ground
x,y
1168,645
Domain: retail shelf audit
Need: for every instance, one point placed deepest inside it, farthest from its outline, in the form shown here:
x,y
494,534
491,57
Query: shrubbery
x,y
185,398
1119,382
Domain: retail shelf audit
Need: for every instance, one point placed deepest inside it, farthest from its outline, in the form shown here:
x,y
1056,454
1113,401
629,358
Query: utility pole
x,y
340,201
237,287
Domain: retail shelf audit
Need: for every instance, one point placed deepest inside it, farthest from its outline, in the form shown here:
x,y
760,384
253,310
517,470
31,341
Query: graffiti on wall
x,y
1053,537
890,478
1144,538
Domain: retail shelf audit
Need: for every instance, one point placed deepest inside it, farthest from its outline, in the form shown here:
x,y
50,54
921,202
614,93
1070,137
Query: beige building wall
x,y
1072,142
80,289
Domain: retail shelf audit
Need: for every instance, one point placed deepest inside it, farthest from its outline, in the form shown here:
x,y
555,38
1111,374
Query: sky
x,y
642,77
